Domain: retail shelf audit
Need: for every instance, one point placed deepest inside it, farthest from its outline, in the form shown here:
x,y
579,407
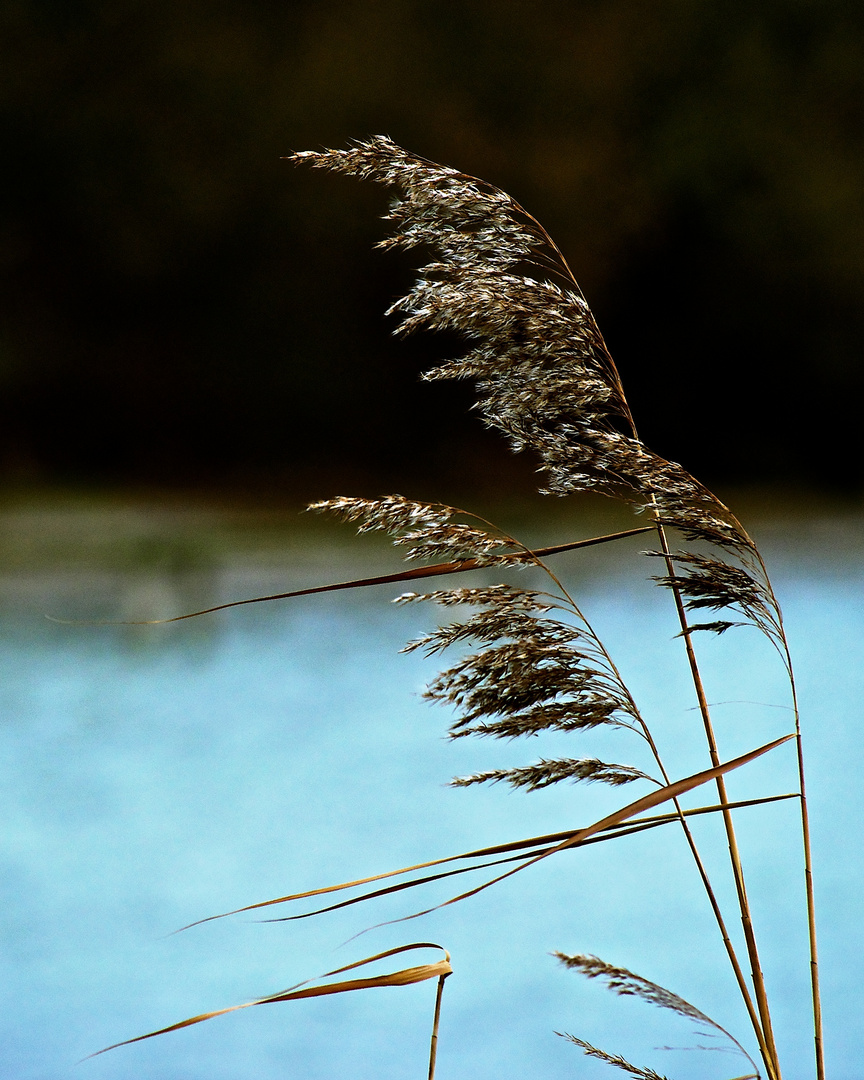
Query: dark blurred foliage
x,y
178,305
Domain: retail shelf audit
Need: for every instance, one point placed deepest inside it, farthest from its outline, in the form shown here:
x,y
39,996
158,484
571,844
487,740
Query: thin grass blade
x,y
647,802
532,843
403,977
637,826
459,567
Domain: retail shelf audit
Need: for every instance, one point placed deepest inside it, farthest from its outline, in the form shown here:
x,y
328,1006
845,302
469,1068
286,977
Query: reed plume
x,y
544,377
546,380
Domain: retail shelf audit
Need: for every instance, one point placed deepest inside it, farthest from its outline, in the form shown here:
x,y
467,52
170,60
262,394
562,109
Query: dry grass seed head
x,y
544,773
543,373
612,1059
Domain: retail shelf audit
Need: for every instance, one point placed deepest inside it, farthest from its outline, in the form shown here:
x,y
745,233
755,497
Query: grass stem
x,y
433,1048
808,880
766,1035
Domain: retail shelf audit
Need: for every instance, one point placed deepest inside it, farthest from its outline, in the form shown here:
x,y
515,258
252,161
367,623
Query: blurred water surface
x,y
156,775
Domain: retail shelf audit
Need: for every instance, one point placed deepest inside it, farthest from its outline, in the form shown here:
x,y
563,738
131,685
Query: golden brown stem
x,y
767,1044
433,1049
808,882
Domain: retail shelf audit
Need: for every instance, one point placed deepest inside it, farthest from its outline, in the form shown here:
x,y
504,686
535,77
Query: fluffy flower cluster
x,y
531,673
543,373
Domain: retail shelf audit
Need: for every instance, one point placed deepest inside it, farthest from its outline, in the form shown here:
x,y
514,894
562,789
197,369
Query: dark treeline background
x,y
180,306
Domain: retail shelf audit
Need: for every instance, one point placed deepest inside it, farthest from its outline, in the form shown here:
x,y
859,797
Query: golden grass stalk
x,y
545,378
763,1027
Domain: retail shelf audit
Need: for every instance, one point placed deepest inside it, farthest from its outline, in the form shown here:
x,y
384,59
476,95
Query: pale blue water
x,y
151,777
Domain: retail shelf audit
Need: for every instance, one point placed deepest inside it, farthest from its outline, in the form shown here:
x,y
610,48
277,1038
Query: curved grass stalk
x,y
759,1015
780,641
546,379
808,874
764,1031
536,556
763,1028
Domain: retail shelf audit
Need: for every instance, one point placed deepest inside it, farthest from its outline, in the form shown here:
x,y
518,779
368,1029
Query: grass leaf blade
x,y
403,977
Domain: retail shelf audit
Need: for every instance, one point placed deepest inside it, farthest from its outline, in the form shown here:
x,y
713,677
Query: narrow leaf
x,y
636,826
531,843
403,977
458,567
647,802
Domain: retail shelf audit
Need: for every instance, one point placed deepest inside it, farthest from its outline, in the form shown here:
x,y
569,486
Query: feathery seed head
x,y
543,374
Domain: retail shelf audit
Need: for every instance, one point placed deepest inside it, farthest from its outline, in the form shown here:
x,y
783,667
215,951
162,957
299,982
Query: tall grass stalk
x,y
545,379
